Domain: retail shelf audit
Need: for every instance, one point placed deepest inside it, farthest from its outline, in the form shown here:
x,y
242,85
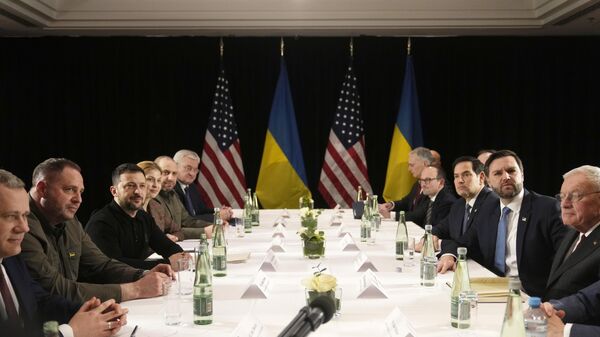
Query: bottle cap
x,y
535,302
401,212
428,227
462,251
50,326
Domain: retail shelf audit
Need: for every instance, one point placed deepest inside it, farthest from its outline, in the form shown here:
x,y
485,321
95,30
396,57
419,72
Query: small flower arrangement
x,y
320,282
308,217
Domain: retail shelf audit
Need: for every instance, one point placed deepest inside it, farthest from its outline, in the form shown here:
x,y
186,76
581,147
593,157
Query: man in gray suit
x,y
576,264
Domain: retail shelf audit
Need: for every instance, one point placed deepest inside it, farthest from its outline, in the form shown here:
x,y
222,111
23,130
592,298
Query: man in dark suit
x,y
581,312
435,205
577,261
418,159
187,165
24,304
469,182
520,234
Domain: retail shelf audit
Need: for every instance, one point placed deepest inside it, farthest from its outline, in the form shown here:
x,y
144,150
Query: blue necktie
x,y
500,258
188,201
466,218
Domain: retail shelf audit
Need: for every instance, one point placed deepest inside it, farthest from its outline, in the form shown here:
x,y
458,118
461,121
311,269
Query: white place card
x,y
280,222
270,263
396,325
370,287
336,220
342,231
249,326
279,230
347,244
277,245
258,287
362,263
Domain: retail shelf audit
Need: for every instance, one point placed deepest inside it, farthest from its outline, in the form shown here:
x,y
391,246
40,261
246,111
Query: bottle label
x,y
203,305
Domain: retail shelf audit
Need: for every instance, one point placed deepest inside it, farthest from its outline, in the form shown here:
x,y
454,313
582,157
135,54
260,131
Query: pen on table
x,y
134,331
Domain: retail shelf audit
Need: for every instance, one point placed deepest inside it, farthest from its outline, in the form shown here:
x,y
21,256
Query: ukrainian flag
x,y
407,136
282,178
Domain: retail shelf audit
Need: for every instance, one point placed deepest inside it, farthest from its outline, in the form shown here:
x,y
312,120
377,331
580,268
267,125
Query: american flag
x,y
345,166
221,179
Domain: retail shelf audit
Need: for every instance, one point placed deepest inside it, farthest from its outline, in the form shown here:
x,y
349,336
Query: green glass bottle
x,y
376,217
460,283
203,301
514,324
50,329
428,268
365,223
401,236
255,215
247,214
219,249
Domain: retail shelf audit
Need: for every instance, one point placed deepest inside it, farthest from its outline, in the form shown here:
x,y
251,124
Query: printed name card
x,y
336,220
396,325
285,214
250,326
342,231
370,287
258,287
277,245
347,244
280,222
270,263
279,231
362,263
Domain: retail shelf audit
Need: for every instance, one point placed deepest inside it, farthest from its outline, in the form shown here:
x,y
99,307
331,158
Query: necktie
x,y
466,218
188,201
500,257
9,304
428,213
581,239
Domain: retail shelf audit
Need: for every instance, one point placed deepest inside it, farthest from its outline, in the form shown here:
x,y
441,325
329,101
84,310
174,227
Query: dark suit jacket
x,y
36,305
579,270
408,203
582,307
440,209
200,210
539,234
451,227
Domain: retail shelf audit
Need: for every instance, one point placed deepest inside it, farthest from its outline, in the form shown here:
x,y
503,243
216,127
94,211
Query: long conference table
x,y
425,309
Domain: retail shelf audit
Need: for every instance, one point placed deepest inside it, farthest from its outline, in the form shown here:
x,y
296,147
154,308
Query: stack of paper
x,y
491,289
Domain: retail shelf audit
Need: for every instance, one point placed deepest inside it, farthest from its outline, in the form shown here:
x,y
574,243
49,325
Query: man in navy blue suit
x,y
580,312
519,234
435,205
24,304
187,165
469,182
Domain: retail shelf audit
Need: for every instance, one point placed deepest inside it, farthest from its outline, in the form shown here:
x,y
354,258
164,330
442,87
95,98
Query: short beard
x,y
506,195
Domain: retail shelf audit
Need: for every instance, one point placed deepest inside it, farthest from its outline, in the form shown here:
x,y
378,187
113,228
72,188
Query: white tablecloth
x,y
427,309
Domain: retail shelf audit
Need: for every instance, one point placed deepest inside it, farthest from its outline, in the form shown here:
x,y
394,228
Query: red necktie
x,y
9,304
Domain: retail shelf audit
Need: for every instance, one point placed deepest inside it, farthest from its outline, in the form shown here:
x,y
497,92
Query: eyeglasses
x,y
572,197
427,180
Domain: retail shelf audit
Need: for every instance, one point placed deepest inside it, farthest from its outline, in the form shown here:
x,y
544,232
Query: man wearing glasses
x,y
577,261
434,208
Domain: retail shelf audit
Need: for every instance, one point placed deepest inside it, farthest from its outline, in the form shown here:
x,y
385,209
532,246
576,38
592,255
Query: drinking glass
x,y
171,304
409,253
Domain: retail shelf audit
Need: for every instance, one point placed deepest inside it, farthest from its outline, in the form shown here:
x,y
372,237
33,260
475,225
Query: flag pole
x,y
408,46
351,47
281,46
221,47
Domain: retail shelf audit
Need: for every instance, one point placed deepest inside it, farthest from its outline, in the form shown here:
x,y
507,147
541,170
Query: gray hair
x,y
592,174
185,153
10,180
423,153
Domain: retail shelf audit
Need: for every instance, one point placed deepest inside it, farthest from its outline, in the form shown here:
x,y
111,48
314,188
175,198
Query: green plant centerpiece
x,y
313,240
321,284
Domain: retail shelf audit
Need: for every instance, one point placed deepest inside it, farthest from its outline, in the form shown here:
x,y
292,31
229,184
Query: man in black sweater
x,y
124,231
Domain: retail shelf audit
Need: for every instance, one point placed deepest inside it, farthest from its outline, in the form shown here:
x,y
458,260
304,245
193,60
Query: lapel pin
x,y
595,243
523,219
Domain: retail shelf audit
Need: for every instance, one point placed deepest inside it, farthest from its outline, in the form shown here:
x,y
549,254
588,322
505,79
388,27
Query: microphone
x,y
310,317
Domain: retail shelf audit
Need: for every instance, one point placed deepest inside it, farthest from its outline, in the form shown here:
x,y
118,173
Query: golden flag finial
x,y
282,46
221,47
351,47
408,46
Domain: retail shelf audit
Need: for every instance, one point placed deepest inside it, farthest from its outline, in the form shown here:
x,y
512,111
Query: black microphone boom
x,y
309,318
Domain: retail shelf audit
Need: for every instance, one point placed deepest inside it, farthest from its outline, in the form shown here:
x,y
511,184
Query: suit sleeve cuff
x,y
66,330
567,330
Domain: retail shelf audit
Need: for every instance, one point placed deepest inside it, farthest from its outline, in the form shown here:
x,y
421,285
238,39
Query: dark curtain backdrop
x,y
105,101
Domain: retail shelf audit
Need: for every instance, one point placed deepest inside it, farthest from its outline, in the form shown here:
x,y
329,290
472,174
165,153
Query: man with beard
x,y
519,234
61,257
124,231
192,227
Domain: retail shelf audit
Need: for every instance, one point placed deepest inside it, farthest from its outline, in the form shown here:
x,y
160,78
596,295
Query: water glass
x,y
428,271
185,276
171,304
409,253
467,309
239,227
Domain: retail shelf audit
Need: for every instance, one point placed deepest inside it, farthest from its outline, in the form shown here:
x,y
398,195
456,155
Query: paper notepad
x,y
491,289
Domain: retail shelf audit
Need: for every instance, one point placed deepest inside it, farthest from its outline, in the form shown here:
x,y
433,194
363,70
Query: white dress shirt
x,y
511,233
